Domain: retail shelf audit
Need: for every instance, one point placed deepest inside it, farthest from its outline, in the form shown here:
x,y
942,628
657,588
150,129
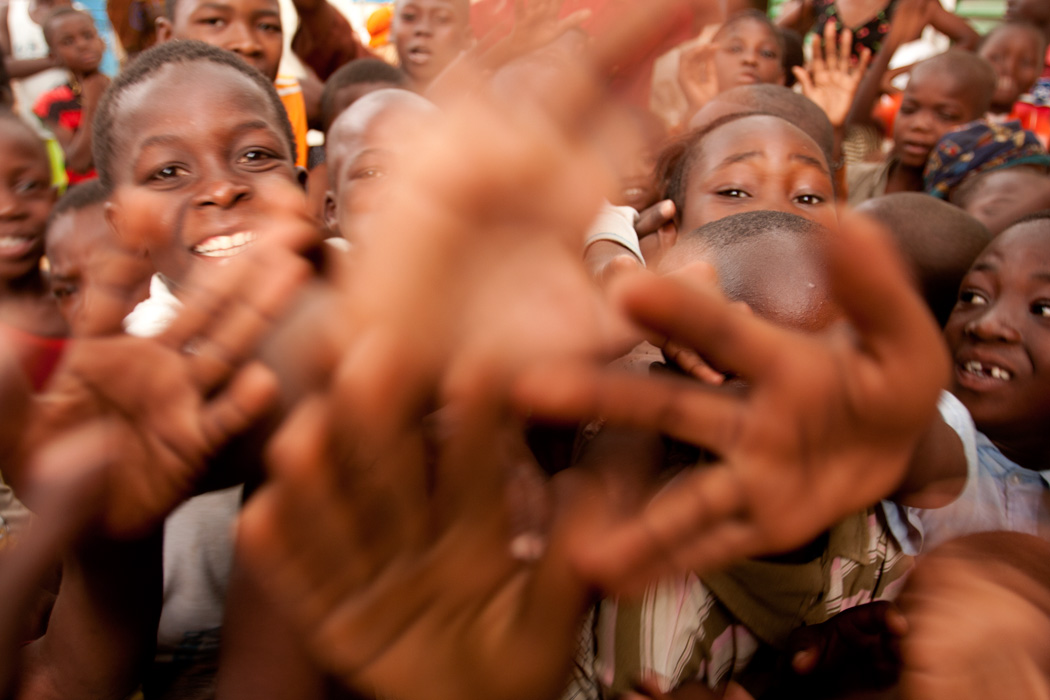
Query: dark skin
x,y
78,47
26,197
22,68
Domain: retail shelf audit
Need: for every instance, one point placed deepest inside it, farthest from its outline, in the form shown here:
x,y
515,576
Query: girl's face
x,y
1017,56
758,163
748,53
203,165
26,197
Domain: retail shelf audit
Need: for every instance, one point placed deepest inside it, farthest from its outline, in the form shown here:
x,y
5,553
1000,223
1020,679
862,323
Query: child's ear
x,y
330,218
164,29
115,218
666,237
302,176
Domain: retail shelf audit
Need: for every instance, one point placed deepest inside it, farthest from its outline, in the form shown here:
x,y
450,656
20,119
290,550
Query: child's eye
x,y
256,155
63,292
733,192
217,22
270,27
949,116
443,17
811,199
772,55
1041,308
368,174
27,186
969,296
168,172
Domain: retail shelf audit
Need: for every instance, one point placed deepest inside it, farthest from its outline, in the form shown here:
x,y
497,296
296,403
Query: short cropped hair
x,y
1018,24
149,62
80,196
360,71
58,14
968,69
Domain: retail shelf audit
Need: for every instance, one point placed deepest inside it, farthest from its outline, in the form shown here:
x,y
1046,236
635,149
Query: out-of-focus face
x,y
204,160
429,35
1017,55
748,53
95,280
758,163
250,28
365,153
999,335
26,197
931,106
76,43
1004,196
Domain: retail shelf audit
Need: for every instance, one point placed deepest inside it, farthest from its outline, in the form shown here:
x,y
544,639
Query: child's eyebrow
x,y
738,158
809,160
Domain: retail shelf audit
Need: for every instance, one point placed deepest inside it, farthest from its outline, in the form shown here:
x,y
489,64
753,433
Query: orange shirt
x,y
292,97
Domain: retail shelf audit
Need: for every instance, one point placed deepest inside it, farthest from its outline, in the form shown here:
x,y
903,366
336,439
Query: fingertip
x,y
804,661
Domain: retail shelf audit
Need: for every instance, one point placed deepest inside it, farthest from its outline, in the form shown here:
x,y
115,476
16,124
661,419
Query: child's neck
x,y
1031,452
30,284
904,178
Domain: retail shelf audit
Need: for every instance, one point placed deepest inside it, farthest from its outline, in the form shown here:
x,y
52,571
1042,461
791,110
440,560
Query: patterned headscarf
x,y
979,147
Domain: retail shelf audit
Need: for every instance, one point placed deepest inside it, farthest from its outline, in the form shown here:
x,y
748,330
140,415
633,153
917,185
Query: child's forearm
x,y
103,628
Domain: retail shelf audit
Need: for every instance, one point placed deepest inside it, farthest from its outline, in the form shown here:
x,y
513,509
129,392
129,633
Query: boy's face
x,y
748,54
204,162
1017,56
26,197
1004,196
364,156
430,34
999,334
249,28
76,44
95,281
931,106
758,163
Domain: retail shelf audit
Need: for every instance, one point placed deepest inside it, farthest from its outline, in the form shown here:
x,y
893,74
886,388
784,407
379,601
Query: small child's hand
x,y
832,78
696,70
827,426
909,19
858,649
171,402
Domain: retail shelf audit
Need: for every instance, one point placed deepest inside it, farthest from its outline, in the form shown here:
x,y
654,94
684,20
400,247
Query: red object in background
x,y
633,77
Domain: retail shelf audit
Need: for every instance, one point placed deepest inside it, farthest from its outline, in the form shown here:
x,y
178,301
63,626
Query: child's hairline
x,y
115,95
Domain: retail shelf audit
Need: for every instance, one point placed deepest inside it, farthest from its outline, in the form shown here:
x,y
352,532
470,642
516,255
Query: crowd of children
x,y
529,388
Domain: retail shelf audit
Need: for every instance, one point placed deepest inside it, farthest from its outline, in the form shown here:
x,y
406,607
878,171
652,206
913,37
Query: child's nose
x,y
996,324
222,193
242,40
10,204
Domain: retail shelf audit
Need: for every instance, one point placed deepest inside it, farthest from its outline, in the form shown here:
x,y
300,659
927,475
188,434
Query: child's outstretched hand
x,y
978,612
171,402
831,79
413,561
696,70
827,425
857,650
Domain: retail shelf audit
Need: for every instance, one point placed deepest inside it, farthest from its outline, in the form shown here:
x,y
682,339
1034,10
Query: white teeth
x,y
13,241
225,246
978,368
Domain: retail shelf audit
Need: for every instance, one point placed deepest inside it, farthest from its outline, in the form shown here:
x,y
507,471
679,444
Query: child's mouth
x,y
226,245
984,372
16,246
419,55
